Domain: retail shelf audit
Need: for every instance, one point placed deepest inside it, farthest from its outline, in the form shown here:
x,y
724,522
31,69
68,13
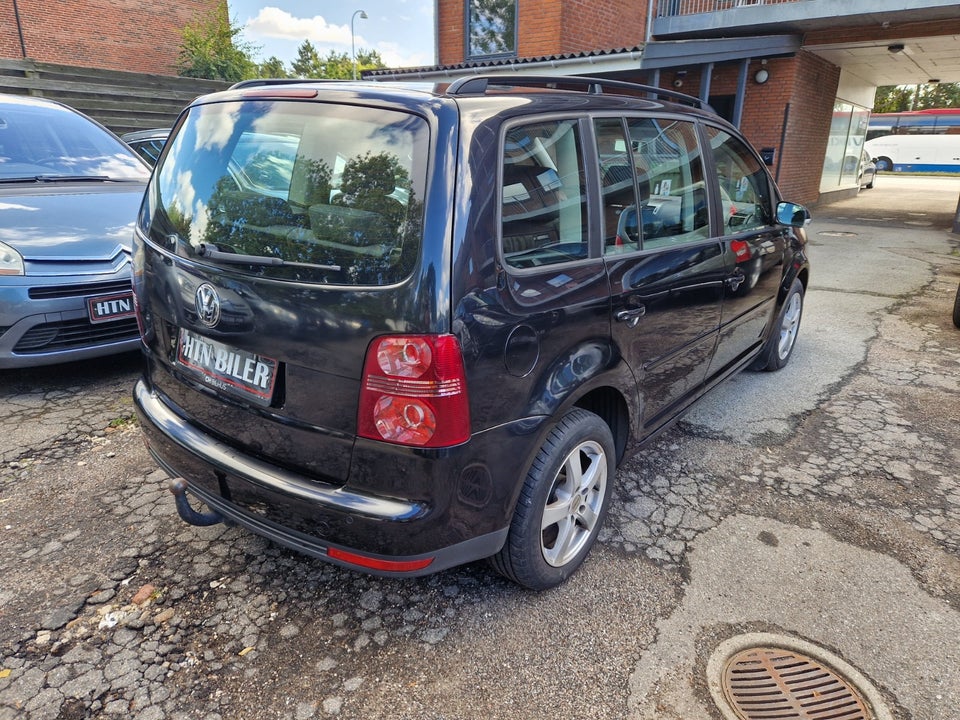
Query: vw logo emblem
x,y
208,305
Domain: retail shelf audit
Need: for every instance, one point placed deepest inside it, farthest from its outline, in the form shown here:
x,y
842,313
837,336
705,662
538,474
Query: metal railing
x,y
672,8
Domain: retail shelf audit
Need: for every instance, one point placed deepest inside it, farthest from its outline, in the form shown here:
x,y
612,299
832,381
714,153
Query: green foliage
x,y
211,49
273,67
335,66
307,64
899,98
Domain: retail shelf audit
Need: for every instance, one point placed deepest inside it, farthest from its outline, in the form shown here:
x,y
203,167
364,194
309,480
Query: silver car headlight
x,y
11,262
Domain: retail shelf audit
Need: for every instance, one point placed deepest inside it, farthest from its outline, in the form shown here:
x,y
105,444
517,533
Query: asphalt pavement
x,y
816,509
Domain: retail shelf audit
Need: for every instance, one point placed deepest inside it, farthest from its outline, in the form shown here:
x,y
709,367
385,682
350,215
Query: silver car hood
x,y
87,222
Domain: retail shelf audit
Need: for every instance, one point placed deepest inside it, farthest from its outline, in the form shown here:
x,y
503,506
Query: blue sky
x,y
401,30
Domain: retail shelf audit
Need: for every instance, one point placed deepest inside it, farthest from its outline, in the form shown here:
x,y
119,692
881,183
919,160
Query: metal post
x,y
353,47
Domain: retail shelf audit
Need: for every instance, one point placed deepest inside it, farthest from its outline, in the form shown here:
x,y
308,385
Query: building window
x,y
491,27
848,129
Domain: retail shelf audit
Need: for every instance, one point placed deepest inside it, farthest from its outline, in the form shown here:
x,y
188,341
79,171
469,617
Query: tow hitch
x,y
178,487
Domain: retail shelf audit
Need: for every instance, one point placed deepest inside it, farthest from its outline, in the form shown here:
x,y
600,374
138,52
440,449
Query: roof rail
x,y
479,84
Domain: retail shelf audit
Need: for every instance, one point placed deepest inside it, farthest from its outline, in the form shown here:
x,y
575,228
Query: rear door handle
x,y
632,316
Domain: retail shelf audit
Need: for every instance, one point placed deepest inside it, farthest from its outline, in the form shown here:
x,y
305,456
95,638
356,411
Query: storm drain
x,y
768,676
773,683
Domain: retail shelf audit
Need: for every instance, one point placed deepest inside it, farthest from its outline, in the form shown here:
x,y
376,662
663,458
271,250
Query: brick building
x,y
127,35
799,77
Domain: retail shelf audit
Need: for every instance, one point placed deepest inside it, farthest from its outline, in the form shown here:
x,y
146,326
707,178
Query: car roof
x,y
604,93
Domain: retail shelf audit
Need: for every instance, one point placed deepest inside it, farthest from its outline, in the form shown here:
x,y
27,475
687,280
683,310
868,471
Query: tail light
x,y
414,392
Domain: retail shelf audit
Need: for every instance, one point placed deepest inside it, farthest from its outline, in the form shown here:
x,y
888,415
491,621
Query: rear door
x,y
665,270
282,237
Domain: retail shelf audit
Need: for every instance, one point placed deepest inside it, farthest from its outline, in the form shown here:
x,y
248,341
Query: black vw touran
x,y
402,328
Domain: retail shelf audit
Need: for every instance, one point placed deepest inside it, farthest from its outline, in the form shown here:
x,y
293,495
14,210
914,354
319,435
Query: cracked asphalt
x,y
818,504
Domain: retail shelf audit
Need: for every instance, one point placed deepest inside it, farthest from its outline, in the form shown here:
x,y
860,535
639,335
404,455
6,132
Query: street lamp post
x,y
353,46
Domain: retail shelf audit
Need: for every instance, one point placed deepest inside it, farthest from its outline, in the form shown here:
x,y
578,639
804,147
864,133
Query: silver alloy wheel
x,y
790,325
573,506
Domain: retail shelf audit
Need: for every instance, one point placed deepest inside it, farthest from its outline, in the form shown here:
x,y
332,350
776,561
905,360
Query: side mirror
x,y
793,215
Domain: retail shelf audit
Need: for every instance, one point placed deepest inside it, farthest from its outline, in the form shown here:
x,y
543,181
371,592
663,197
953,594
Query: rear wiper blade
x,y
57,178
262,260
73,178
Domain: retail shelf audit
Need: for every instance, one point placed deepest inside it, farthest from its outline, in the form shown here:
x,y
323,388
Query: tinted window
x,y
744,188
621,231
149,150
669,174
544,206
334,191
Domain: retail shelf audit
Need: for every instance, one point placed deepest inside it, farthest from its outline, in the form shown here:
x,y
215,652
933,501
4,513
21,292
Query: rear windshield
x,y
306,191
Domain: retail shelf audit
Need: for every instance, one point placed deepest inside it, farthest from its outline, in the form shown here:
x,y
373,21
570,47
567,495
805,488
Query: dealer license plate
x,y
227,368
107,308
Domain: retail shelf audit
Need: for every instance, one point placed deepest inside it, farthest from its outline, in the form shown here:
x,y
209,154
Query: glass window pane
x,y
744,187
491,27
336,194
544,195
621,230
669,173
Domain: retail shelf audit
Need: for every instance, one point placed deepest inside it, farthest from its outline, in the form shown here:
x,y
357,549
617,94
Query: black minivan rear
x,y
403,328
290,287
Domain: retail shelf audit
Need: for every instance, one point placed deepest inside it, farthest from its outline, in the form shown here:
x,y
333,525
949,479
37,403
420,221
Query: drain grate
x,y
768,683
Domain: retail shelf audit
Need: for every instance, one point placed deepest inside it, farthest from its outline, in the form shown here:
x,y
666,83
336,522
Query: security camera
x,y
678,83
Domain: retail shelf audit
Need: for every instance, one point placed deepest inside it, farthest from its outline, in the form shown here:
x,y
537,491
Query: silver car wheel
x,y
790,325
573,505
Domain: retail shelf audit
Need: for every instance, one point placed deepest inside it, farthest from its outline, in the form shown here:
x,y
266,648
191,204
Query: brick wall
x,y
608,25
451,31
551,27
814,91
539,24
129,35
805,83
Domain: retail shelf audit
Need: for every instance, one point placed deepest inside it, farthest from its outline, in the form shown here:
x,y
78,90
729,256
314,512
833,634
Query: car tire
x,y
870,184
562,504
783,337
884,163
956,309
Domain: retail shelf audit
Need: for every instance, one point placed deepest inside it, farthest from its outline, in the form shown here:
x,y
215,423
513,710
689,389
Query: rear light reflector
x,y
414,392
377,563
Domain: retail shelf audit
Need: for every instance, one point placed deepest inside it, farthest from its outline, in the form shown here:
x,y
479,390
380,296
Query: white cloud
x,y
280,33
395,55
272,22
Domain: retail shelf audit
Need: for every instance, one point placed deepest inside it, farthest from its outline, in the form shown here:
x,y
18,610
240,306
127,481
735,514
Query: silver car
x,y
69,196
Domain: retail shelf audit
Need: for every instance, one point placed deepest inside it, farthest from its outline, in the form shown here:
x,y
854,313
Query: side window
x,y
621,228
744,187
670,183
544,204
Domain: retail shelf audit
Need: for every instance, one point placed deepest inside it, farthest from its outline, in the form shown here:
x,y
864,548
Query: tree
x,y
900,98
308,63
339,66
211,49
335,66
273,67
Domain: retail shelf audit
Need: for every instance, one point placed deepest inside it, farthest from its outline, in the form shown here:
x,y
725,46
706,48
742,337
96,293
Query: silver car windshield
x,y
305,190
47,143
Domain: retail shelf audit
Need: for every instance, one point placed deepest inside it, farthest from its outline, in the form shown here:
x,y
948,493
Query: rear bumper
x,y
455,511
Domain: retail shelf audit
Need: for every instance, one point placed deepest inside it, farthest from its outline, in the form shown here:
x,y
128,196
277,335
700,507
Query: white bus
x,y
917,141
